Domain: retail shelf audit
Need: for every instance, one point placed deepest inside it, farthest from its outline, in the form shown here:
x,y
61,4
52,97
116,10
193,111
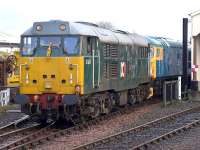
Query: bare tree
x,y
105,25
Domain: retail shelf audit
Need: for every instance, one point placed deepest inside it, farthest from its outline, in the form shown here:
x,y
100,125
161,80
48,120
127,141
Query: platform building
x,y
195,41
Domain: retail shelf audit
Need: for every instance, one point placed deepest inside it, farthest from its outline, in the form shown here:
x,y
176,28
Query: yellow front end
x,y
58,75
156,55
153,63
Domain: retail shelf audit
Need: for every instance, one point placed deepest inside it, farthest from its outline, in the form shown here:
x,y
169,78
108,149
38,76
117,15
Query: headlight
x,y
62,27
38,28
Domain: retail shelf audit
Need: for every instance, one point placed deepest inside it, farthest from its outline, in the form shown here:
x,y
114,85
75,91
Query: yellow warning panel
x,y
159,53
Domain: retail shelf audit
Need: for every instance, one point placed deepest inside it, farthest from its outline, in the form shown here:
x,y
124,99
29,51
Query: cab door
x,y
95,64
92,65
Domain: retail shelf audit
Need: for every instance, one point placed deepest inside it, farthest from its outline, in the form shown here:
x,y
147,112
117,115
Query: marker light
x,y
27,67
36,98
77,89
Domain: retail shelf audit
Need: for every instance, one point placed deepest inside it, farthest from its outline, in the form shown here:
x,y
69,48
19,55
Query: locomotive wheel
x,y
107,105
132,100
139,99
96,111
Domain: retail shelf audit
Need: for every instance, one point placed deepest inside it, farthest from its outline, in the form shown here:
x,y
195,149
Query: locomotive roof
x,y
165,42
153,41
87,29
169,42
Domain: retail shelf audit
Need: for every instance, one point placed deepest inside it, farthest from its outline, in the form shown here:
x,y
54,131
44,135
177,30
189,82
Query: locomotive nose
x,y
49,81
52,75
49,76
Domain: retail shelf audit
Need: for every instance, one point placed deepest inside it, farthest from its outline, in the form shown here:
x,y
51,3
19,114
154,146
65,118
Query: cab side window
x,y
89,45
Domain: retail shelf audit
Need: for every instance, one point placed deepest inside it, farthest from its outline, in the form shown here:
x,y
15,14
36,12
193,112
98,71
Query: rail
x,y
137,132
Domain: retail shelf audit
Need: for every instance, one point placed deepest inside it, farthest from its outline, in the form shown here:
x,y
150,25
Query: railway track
x,y
12,126
48,133
143,136
16,129
31,135
9,136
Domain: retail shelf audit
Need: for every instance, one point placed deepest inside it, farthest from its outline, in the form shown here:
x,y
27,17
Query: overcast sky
x,y
146,17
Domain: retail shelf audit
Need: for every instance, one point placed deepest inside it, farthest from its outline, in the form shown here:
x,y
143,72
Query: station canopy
x,y
7,40
195,16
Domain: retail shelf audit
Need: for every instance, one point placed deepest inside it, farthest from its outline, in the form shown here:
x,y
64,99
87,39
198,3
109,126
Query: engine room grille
x,y
106,50
113,51
113,70
110,50
106,70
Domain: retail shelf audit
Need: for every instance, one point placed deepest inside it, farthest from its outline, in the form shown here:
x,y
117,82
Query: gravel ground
x,y
139,116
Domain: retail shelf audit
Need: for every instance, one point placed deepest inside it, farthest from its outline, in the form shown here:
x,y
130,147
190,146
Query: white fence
x,y
4,97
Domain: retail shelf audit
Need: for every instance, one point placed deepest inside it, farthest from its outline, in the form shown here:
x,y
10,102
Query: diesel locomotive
x,y
70,69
